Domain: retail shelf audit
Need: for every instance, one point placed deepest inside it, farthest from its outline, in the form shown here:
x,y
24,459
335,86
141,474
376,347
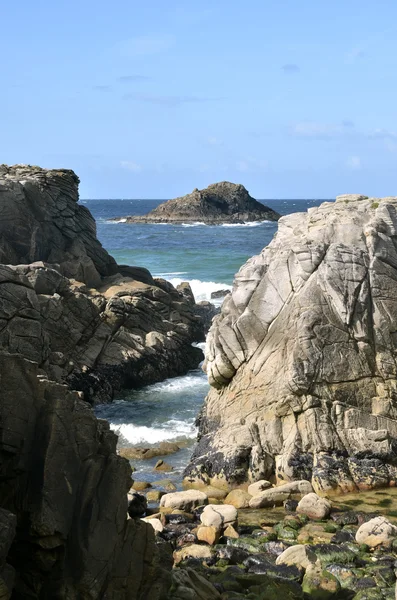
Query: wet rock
x,y
290,505
219,516
376,532
186,539
320,584
260,564
139,486
161,465
187,584
186,500
154,496
234,555
265,587
166,484
314,507
137,505
192,551
274,548
298,555
349,517
145,453
219,294
178,519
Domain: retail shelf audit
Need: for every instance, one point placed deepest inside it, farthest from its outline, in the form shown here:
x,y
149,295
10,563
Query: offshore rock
x,y
65,489
302,358
219,203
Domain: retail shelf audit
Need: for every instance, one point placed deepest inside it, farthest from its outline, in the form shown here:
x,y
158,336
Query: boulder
x,y
376,532
186,500
219,516
139,486
219,203
154,496
259,486
162,449
238,498
307,338
161,465
314,507
298,555
320,584
155,523
209,535
231,532
278,495
137,505
192,551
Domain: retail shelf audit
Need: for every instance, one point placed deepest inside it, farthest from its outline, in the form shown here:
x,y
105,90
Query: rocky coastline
x,y
217,204
74,328
302,359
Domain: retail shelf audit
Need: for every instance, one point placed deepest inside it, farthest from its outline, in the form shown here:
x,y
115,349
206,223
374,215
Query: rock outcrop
x,y
219,203
63,498
302,358
83,318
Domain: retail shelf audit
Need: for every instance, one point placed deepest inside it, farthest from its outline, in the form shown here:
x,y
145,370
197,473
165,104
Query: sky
x,y
293,99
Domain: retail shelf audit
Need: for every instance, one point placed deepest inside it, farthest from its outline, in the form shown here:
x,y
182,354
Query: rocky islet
x,y
217,204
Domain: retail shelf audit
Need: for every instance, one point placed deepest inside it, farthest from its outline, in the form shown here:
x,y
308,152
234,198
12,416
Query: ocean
x,y
206,256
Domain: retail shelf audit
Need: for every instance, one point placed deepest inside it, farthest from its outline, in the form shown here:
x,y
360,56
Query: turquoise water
x,y
208,257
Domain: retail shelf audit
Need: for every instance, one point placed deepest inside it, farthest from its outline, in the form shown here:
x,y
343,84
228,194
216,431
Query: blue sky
x,y
149,100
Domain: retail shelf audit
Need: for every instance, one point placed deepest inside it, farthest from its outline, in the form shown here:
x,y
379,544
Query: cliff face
x,y
65,488
40,219
81,316
219,203
302,358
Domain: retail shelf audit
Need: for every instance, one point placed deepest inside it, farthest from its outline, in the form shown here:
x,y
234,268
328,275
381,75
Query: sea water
x,y
207,256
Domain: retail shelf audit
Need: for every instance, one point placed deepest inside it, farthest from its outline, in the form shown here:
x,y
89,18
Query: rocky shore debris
x,y
301,358
333,553
219,203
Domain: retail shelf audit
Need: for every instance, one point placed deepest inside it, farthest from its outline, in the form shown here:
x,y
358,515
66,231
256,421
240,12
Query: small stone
x,y
259,486
219,516
155,523
314,507
166,484
376,532
154,496
192,551
209,535
161,465
318,584
238,498
276,496
298,555
139,486
231,532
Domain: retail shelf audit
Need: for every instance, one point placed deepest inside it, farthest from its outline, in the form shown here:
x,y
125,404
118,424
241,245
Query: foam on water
x,y
173,430
202,290
249,224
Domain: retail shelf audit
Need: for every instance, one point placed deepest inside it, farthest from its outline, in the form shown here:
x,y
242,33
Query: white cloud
x,y
129,165
354,163
145,45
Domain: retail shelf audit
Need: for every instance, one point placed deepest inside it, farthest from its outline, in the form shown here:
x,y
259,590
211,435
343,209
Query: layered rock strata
x,y
302,358
83,318
63,498
219,203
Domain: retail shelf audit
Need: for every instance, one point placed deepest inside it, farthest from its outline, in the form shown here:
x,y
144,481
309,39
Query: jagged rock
x,y
145,453
222,202
189,585
314,507
219,294
62,479
41,220
301,359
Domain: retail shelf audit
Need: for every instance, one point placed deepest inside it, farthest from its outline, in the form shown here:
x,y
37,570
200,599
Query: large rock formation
x,y
40,219
83,318
63,498
219,203
302,358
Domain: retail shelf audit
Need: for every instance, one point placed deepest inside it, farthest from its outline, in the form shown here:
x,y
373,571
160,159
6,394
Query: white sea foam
x,y
250,224
195,224
140,434
115,221
178,384
202,290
